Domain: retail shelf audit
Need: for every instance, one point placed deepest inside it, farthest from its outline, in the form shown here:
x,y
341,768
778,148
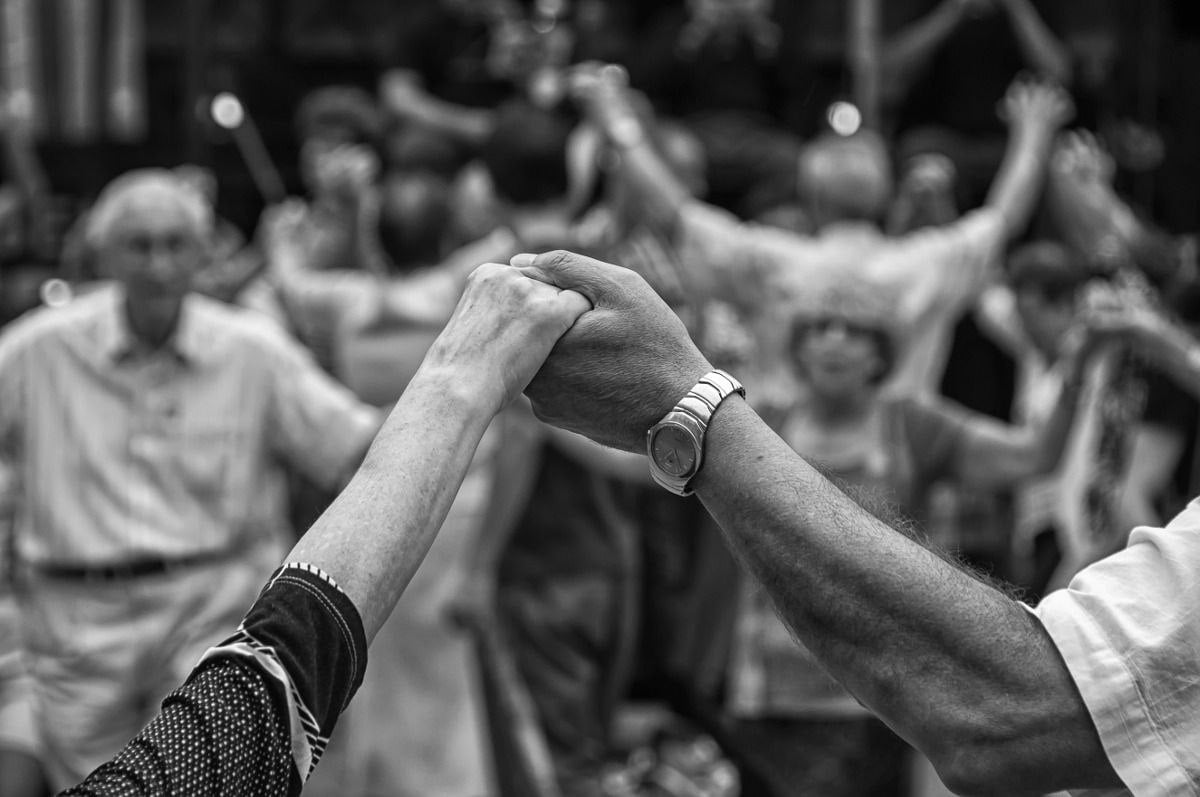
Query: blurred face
x,y
1046,315
839,358
333,162
154,249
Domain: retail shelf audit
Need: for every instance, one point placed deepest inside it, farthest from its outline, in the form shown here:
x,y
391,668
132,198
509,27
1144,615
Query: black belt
x,y
122,571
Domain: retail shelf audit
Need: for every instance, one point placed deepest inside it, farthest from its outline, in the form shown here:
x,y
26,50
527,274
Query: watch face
x,y
674,451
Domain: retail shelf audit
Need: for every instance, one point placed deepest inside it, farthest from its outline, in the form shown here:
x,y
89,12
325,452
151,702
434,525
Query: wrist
x,y
725,429
1033,131
625,130
675,445
463,393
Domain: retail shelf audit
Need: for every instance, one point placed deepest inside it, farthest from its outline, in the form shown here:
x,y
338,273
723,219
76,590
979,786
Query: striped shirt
x,y
121,453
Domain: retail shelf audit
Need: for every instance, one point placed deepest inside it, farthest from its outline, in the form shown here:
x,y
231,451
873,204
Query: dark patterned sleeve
x,y
256,713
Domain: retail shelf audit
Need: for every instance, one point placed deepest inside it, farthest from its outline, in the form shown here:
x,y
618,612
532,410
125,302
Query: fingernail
x,y
523,259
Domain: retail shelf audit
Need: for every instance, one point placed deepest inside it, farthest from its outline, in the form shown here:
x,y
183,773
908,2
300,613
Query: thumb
x,y
597,281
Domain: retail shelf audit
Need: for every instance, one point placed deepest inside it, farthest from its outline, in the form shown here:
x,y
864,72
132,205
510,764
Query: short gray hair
x,y
121,191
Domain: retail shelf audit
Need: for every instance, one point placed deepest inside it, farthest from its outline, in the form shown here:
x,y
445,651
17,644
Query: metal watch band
x,y
690,417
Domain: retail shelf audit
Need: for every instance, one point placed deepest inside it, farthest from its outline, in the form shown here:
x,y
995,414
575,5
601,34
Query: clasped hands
x,y
591,344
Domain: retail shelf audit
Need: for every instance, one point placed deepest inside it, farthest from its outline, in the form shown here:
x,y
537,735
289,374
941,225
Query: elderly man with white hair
x,y
147,426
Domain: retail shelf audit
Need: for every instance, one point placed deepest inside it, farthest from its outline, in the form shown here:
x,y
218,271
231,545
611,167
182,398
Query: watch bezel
x,y
697,447
691,414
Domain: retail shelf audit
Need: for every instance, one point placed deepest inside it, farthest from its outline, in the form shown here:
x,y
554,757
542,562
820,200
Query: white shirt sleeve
x,y
316,423
942,270
1128,628
739,261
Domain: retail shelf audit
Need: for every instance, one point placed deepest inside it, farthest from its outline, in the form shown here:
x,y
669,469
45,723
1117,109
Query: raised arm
x,y
607,103
1089,215
952,664
257,711
721,255
375,534
1035,112
1164,343
1040,48
955,666
907,53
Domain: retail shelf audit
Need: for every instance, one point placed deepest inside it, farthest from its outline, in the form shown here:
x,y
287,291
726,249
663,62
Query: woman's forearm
x,y
377,531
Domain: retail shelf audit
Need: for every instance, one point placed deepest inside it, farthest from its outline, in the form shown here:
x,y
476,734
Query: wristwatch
x,y
675,445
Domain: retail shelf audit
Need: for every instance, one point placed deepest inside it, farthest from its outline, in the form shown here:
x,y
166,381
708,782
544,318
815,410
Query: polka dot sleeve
x,y
218,734
256,713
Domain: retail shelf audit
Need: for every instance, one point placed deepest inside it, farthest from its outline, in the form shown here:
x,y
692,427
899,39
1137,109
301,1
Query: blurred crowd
x,y
900,224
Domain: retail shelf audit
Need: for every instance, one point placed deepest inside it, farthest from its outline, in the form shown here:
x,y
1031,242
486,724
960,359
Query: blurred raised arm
x,y
1040,48
909,52
1035,112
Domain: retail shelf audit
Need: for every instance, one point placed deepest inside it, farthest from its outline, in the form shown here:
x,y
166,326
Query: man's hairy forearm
x,y
954,665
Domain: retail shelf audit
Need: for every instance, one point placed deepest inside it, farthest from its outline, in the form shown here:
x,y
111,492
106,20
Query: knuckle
x,y
558,258
478,274
485,273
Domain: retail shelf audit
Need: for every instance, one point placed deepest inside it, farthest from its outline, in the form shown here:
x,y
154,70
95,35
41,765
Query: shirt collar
x,y
118,343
